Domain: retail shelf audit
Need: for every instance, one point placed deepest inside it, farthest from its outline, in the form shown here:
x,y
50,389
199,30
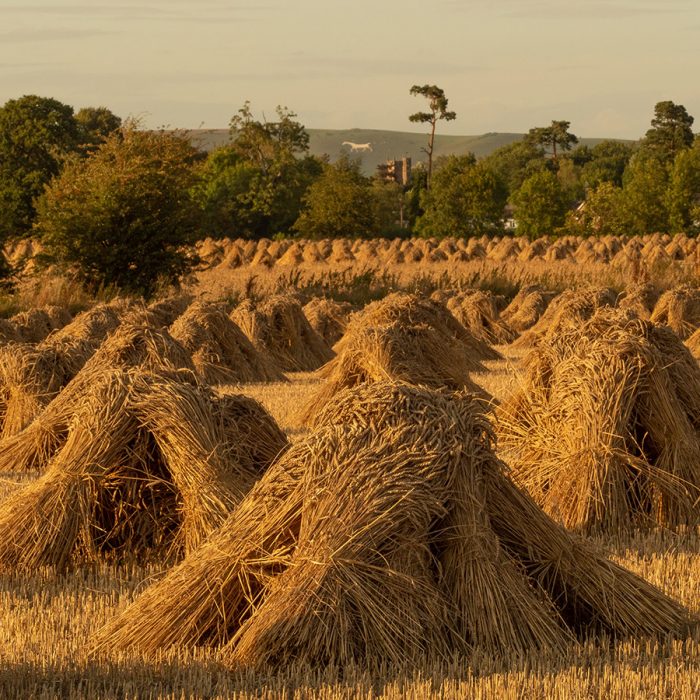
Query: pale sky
x,y
505,65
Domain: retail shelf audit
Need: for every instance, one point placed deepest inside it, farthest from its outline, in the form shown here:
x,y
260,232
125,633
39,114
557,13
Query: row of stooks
x,y
392,532
487,316
232,253
654,249
402,337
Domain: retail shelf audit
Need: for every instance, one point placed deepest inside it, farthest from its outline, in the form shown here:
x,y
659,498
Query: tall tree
x,y
517,161
670,131
604,213
607,164
36,133
437,103
253,187
646,194
553,136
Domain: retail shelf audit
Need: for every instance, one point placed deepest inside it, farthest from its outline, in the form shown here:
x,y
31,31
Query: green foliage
x,y
253,188
569,176
683,196
607,164
604,213
267,143
122,216
338,204
223,193
238,198
670,131
541,205
516,162
466,199
389,208
36,133
414,196
645,185
95,124
557,134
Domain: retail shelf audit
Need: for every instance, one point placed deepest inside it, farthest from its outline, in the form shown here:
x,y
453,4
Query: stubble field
x,y
52,615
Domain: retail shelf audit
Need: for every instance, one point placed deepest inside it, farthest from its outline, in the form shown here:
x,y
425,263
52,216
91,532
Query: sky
x,y
505,65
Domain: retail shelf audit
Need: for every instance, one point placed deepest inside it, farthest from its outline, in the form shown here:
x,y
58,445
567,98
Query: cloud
x,y
305,65
202,13
577,9
23,36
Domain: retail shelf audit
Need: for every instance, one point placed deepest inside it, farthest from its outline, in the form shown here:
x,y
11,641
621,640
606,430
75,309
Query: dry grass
x,y
150,461
478,312
277,327
220,350
693,344
64,612
570,308
603,432
127,346
328,318
679,309
418,354
49,620
380,539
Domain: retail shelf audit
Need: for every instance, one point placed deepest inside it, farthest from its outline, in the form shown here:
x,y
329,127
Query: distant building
x,y
398,171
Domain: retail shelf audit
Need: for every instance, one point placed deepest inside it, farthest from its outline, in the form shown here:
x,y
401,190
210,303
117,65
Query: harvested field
x,y
160,537
330,580
221,352
604,432
679,309
278,328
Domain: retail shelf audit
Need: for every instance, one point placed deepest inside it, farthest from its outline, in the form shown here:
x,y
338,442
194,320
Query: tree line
x,y
119,205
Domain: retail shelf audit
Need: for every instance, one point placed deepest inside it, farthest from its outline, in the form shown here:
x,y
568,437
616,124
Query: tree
x,y
683,195
223,192
254,186
607,164
466,199
36,134
604,212
267,143
569,176
95,124
123,216
645,186
338,204
540,205
389,208
239,198
438,111
670,131
557,134
415,196
517,161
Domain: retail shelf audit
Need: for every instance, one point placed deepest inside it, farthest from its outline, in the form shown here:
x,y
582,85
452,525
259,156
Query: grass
x,y
48,620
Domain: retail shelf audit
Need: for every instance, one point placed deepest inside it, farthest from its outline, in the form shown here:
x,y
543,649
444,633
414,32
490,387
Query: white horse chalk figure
x,y
358,146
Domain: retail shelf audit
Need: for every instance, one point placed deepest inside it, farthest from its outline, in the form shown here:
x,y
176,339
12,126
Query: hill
x,y
385,144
